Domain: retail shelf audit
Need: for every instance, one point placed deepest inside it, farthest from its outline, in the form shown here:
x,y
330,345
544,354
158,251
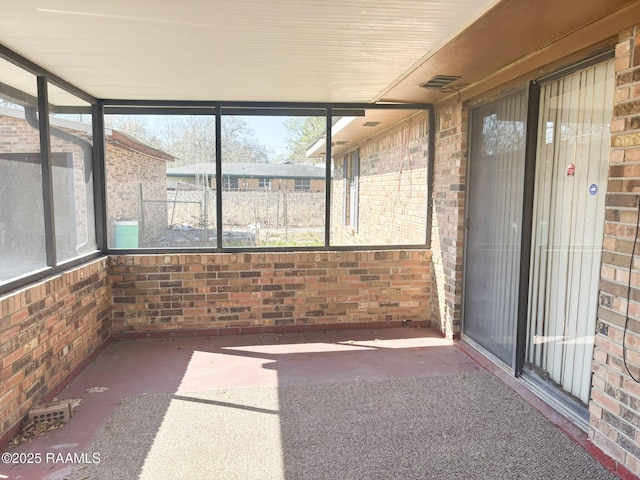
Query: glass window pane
x,y
379,182
273,194
70,126
22,236
496,193
160,181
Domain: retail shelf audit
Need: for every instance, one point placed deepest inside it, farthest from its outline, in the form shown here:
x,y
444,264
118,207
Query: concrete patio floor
x,y
188,368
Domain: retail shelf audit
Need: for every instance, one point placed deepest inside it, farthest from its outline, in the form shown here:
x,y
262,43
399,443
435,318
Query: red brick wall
x,y
71,192
615,396
128,173
297,290
46,331
49,329
447,235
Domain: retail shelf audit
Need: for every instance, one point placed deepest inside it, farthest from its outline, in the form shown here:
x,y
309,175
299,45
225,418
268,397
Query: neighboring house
x,y
135,177
72,165
136,185
250,176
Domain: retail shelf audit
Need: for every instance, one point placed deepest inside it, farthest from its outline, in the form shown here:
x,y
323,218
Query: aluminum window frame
x,y
45,78
222,108
99,107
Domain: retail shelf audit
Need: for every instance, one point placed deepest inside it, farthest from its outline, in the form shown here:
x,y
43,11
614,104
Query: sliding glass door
x,y
494,224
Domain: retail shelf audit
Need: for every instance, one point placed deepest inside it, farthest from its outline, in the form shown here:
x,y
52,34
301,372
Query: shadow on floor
x,y
395,403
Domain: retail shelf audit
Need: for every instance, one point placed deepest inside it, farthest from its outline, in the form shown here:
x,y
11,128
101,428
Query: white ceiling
x,y
360,51
275,50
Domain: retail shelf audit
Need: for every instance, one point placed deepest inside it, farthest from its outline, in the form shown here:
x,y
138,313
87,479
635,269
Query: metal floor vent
x,y
54,412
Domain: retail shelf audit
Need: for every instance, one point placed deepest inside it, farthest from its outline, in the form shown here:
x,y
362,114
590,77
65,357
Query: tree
x,y
302,132
191,138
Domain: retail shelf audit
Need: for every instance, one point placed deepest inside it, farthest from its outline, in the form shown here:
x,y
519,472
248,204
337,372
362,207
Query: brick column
x,y
448,218
615,396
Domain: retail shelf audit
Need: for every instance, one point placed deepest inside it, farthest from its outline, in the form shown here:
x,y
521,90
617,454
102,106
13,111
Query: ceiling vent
x,y
371,124
439,82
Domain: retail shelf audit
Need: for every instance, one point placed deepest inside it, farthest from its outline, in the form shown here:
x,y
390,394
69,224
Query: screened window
x,y
71,130
47,214
163,190
379,189
280,199
160,173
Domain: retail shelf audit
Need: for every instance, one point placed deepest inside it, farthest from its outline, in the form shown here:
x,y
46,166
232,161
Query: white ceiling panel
x,y
361,51
276,50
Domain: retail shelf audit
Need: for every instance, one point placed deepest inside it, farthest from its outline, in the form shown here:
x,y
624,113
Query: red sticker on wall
x,y
571,170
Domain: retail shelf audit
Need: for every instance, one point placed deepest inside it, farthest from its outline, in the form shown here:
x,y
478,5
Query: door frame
x,y
533,111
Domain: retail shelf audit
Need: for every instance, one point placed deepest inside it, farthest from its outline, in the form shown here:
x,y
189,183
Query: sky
x,y
269,131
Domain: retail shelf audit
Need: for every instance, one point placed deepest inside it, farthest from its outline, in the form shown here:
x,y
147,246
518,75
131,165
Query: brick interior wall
x,y
447,234
615,396
46,331
51,328
392,197
249,292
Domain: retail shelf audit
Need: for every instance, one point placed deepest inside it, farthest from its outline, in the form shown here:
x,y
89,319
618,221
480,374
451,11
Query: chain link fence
x,y
259,217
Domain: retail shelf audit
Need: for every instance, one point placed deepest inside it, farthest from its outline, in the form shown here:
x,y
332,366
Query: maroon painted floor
x,y
135,367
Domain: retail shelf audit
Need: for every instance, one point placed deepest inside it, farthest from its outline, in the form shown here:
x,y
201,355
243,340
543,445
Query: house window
x,y
264,183
303,184
351,189
230,183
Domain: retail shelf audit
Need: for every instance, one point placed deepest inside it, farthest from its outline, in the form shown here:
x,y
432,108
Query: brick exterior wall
x,y
132,176
70,191
447,234
249,292
615,396
46,331
392,197
126,170
276,183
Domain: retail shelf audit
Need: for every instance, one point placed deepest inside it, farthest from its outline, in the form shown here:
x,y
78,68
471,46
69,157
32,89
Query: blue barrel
x,y
125,234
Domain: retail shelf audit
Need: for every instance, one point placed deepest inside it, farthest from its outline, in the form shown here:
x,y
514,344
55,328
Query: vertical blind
x,y
568,222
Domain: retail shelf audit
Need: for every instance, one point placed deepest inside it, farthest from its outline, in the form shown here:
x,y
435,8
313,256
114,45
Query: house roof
x,y
362,51
248,170
131,143
113,136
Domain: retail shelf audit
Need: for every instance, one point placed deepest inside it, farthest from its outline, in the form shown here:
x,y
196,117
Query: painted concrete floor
x,y
179,365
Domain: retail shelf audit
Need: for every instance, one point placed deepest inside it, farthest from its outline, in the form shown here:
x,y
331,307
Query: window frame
x,y
331,111
43,79
264,182
99,107
302,184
